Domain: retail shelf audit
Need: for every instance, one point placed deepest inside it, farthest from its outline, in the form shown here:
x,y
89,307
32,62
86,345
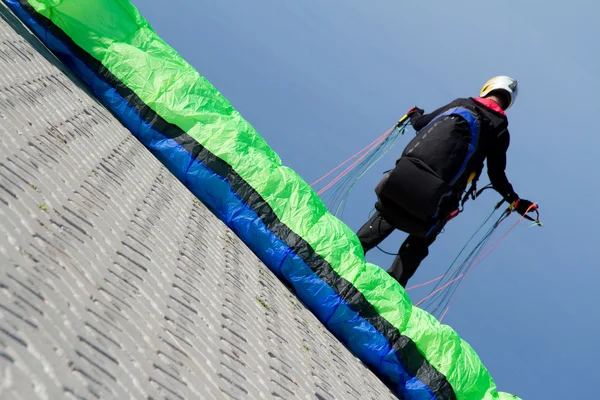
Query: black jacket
x,y
434,169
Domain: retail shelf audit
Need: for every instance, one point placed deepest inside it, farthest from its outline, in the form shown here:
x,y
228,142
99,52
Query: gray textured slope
x,y
115,282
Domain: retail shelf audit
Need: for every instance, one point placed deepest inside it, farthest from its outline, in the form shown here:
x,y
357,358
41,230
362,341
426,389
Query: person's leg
x,y
412,252
374,231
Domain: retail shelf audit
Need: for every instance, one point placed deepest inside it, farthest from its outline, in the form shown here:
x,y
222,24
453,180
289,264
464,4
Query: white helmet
x,y
505,83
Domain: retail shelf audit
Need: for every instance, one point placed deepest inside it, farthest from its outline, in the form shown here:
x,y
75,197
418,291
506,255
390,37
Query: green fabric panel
x,y
116,34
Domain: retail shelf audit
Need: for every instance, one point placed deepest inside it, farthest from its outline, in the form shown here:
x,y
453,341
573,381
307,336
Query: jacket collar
x,y
490,104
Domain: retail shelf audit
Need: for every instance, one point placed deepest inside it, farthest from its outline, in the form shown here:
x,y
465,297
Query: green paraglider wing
x,y
204,141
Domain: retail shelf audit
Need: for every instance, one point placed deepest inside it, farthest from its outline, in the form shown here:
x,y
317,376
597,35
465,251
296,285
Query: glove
x,y
522,205
415,109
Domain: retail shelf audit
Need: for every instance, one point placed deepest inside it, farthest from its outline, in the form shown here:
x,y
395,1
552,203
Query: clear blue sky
x,y
321,79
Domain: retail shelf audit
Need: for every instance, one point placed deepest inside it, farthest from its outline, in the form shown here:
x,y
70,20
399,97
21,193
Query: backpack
x,y
434,169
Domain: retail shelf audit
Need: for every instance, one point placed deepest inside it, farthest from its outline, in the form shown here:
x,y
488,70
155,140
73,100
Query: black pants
x,y
411,253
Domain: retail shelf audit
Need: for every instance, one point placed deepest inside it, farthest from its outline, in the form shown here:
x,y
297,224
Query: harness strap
x,y
473,193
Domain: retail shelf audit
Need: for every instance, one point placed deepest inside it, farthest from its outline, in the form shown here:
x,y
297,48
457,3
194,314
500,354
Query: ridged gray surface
x,y
116,282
